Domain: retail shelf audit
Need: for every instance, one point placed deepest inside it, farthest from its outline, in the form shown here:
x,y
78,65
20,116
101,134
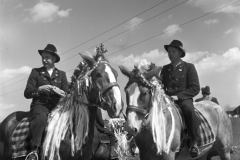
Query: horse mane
x,y
156,119
70,116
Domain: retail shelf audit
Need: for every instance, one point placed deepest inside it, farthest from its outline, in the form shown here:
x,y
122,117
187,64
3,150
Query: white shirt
x,y
50,71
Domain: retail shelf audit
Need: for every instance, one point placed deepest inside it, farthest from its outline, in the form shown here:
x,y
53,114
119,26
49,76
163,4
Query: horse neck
x,y
92,114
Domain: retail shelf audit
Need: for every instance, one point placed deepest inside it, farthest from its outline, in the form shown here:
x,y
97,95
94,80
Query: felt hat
x,y
206,90
177,44
51,49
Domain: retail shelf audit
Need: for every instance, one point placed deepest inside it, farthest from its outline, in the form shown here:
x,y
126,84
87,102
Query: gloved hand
x,y
45,88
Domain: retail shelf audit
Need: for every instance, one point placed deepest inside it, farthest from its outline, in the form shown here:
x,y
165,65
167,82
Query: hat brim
x,y
54,54
183,51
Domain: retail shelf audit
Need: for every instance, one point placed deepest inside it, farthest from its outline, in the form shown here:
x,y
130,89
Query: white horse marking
x,y
134,93
116,90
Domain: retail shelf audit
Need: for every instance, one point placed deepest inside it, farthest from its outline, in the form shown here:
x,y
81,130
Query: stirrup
x,y
194,151
33,153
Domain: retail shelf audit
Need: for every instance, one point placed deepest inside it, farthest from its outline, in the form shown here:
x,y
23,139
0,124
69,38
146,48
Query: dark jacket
x,y
40,77
207,98
182,82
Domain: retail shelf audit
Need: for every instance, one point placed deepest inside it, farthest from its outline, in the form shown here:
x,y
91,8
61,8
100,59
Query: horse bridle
x,y
105,89
136,108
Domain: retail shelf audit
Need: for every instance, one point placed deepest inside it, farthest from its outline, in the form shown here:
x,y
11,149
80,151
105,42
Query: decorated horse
x,y
70,130
159,127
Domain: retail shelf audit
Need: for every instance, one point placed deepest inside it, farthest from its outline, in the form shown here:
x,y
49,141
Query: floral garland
x,y
83,68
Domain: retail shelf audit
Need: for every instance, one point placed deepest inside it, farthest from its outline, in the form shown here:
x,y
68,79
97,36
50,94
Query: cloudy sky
x,y
130,29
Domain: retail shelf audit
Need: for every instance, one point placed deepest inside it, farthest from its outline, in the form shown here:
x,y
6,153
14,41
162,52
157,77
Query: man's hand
x,y
45,88
175,98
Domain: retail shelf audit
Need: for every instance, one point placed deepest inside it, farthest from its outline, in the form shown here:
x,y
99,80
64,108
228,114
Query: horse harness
x,y
102,91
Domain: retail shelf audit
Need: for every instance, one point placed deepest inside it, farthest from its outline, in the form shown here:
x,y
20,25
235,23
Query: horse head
x,y
138,96
105,90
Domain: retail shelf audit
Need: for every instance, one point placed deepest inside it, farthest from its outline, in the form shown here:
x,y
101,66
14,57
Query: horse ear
x,y
156,72
125,71
91,62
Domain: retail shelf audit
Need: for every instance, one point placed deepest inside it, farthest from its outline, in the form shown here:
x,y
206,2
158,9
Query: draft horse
x,y
70,130
157,123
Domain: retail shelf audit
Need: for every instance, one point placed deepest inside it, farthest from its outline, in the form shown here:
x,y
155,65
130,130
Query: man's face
x,y
174,54
48,59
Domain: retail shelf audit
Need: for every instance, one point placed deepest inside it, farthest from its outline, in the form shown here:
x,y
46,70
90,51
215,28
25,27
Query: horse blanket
x,y
206,134
20,141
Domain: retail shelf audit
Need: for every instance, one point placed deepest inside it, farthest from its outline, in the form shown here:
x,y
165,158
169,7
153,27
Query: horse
x,y
157,124
70,130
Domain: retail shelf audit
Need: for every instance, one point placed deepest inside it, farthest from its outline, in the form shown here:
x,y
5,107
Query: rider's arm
x,y
31,90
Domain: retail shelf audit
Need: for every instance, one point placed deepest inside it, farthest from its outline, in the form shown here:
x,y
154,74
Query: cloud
x,y
20,5
155,56
232,30
229,31
171,30
10,73
212,5
205,62
133,22
211,21
46,12
210,62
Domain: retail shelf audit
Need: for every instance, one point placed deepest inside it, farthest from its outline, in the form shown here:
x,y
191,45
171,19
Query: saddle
x,y
20,140
206,135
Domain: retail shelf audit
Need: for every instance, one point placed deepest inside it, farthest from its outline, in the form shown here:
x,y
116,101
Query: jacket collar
x,y
55,73
45,73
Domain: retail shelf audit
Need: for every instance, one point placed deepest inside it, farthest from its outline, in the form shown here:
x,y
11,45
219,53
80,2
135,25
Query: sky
x,y
131,30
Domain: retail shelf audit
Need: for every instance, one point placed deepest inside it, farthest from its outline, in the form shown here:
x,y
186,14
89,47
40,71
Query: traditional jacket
x,y
40,77
182,81
207,98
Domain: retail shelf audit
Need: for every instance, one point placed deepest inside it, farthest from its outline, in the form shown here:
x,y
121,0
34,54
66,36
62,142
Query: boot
x,y
113,153
194,151
32,156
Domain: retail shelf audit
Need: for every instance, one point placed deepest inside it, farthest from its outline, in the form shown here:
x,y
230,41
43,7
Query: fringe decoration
x,y
157,120
71,115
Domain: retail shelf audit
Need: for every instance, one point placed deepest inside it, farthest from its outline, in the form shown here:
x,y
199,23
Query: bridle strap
x,y
109,86
136,109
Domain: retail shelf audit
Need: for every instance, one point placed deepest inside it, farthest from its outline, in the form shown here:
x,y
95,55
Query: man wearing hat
x,y
181,83
206,95
39,86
